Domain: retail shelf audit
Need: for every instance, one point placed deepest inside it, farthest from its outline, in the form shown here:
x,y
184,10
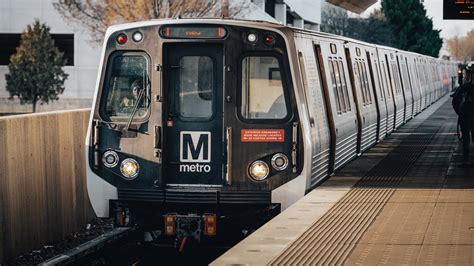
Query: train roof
x,y
251,23
217,21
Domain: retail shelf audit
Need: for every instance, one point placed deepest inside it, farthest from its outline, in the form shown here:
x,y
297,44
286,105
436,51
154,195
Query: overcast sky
x,y
434,9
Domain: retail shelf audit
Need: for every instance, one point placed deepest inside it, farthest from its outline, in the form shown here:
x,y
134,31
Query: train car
x,y
204,126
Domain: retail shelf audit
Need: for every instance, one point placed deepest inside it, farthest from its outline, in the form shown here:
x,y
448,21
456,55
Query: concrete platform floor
x,y
421,215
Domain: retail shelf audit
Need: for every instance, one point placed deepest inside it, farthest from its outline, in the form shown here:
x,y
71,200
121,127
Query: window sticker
x,y
262,135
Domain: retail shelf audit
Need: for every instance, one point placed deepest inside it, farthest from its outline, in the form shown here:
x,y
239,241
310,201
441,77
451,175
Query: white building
x,y
298,13
15,15
83,56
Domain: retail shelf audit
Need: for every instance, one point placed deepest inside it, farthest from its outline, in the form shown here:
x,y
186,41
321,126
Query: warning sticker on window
x,y
262,135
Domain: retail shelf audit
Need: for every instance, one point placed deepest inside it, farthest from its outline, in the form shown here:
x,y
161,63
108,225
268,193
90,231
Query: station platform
x,y
407,200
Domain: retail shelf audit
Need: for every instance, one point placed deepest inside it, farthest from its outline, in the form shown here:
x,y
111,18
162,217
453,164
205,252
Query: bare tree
x,y
334,20
97,15
462,48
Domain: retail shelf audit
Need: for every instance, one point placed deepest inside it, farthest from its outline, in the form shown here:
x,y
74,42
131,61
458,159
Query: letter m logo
x,y
195,146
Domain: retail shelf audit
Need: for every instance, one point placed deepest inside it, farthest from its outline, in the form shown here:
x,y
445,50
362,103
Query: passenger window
x,y
420,75
397,80
378,77
196,86
345,93
339,84
334,82
126,86
406,80
365,81
386,81
358,81
263,95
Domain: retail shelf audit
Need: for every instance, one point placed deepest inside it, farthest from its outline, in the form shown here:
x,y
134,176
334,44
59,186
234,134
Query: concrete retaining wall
x,y
43,192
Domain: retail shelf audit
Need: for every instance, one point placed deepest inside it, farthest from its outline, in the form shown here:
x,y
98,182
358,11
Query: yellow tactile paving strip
x,y
426,218
421,233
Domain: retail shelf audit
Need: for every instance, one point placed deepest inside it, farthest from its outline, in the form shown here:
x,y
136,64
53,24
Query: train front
x,y
194,132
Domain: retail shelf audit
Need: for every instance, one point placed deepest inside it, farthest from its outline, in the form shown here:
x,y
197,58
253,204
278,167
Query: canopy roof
x,y
356,6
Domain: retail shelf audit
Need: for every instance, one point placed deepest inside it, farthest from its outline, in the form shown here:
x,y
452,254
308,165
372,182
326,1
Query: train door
x,y
380,97
422,82
362,88
342,102
397,92
406,86
192,130
386,85
414,84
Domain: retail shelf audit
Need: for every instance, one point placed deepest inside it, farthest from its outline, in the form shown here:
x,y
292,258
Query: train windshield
x,y
127,78
262,88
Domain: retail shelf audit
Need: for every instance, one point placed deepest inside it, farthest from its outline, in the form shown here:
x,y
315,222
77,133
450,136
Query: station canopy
x,y
356,6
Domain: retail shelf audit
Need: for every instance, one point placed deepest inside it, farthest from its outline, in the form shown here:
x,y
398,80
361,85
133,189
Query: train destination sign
x,y
193,32
458,9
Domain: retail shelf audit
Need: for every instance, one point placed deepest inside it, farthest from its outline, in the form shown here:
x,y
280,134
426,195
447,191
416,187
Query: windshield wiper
x,y
135,107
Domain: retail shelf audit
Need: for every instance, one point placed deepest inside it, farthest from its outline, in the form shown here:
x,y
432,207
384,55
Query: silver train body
x,y
241,113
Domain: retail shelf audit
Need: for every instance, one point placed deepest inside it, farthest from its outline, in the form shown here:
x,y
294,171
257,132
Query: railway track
x,y
123,246
94,248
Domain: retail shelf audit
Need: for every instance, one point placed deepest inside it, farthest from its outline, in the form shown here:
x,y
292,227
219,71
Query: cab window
x,y
126,87
263,94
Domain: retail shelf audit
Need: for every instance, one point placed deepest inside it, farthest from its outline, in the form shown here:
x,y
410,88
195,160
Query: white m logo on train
x,y
195,146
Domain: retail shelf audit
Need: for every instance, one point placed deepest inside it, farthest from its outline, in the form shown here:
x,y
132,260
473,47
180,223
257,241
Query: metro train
x,y
200,127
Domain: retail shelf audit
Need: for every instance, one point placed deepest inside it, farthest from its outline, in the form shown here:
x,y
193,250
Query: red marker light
x,y
210,224
170,224
269,40
122,38
221,32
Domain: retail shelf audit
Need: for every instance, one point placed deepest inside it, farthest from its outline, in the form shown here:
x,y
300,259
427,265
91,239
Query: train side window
x,y
385,80
396,79
420,75
379,81
126,86
406,82
425,74
358,81
345,92
365,79
332,73
263,94
399,78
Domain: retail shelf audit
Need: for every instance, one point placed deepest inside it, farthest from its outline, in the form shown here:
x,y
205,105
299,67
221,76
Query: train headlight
x,y
110,159
259,170
129,168
252,37
279,161
137,36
